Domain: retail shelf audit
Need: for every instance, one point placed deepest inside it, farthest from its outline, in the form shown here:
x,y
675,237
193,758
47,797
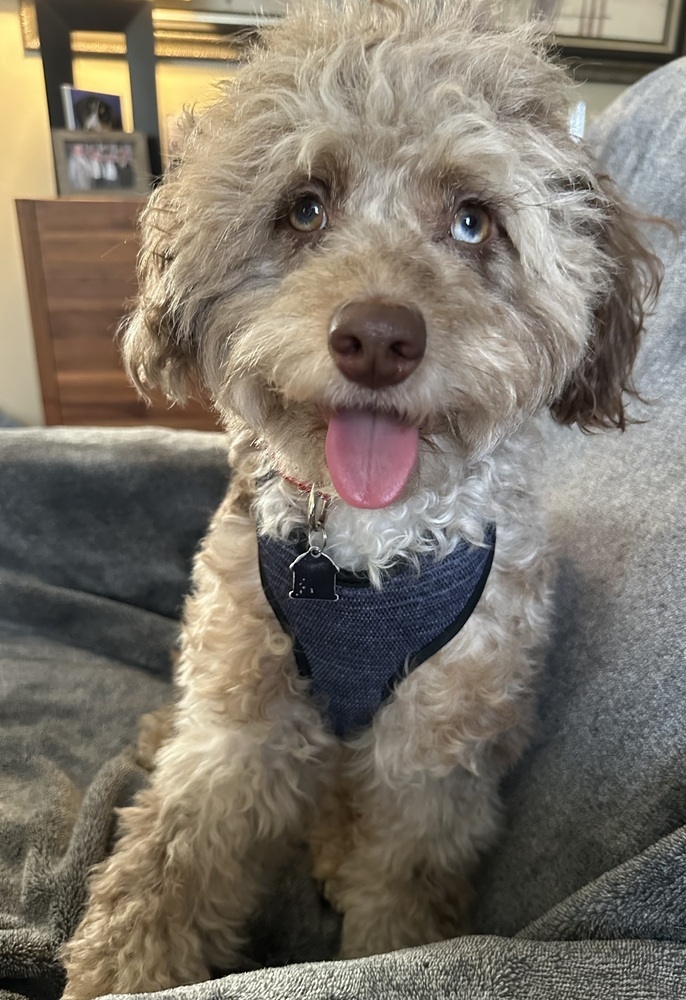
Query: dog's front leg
x,y
191,865
407,879
426,801
233,782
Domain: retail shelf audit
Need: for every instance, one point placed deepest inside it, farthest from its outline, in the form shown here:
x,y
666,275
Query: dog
x,y
385,259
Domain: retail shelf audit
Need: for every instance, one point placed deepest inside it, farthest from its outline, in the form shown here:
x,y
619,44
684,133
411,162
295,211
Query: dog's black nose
x,y
377,344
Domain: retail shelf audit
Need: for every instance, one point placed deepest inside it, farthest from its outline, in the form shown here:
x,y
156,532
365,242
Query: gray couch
x,y
586,893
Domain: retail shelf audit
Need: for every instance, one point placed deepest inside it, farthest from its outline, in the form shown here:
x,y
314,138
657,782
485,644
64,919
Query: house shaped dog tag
x,y
314,577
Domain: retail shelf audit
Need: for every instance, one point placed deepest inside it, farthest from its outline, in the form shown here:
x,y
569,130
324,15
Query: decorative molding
x,y
198,29
179,34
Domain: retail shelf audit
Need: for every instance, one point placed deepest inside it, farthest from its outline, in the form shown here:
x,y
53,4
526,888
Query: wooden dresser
x,y
80,257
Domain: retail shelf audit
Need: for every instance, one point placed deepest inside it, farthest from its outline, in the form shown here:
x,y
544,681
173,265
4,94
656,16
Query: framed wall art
x,y
641,29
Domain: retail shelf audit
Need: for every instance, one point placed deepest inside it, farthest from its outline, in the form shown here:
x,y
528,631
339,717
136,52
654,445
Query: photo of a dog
x,y
384,257
87,111
96,115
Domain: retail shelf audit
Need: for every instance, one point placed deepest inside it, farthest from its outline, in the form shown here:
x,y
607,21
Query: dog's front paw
x,y
127,949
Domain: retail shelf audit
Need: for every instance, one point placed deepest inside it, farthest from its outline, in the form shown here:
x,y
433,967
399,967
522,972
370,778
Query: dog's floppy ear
x,y
594,396
157,346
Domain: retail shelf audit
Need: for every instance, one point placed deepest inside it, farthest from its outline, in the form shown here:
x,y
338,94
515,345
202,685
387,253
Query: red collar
x,y
303,487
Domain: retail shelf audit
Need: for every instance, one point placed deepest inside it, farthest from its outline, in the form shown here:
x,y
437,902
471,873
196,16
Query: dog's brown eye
x,y
472,224
308,214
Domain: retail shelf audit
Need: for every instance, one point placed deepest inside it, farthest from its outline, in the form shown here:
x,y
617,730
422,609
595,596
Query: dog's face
x,y
383,235
94,115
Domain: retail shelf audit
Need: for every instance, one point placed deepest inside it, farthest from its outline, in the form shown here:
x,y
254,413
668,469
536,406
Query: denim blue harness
x,y
356,649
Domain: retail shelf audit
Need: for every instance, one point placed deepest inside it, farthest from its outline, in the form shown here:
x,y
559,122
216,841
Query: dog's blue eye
x,y
308,214
472,224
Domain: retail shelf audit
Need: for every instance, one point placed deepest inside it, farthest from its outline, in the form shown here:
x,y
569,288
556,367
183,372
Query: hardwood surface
x,y
79,257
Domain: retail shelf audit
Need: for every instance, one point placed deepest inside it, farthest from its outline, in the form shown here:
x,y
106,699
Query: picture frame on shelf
x,y
101,164
89,110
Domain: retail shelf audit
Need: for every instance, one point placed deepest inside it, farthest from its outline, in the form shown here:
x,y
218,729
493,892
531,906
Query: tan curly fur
x,y
394,112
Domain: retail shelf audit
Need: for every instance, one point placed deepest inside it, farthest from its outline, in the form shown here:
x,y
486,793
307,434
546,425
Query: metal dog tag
x,y
314,576
314,573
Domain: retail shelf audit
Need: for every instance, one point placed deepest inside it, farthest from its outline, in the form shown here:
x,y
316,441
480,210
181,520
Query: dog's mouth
x,y
370,456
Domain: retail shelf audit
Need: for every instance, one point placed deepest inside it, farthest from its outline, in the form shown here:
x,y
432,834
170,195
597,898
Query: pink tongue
x,y
370,457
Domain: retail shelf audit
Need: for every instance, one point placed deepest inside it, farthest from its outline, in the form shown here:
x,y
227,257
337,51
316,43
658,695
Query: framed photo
x,y
101,164
88,110
642,29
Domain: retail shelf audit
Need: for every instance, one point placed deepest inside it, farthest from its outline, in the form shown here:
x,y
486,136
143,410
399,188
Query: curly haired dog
x,y
383,255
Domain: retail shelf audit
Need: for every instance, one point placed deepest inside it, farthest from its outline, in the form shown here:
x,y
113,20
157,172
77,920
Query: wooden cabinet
x,y
80,257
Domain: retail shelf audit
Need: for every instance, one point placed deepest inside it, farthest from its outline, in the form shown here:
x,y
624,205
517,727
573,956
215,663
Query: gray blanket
x,y
586,893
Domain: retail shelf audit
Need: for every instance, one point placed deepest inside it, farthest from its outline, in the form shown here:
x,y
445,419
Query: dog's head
x,y
383,233
95,115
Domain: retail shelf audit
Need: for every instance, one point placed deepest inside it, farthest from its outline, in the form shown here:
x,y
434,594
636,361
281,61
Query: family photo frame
x,y
101,164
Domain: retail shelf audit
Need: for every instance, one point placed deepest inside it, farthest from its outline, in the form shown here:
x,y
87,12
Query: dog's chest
x,y
355,649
